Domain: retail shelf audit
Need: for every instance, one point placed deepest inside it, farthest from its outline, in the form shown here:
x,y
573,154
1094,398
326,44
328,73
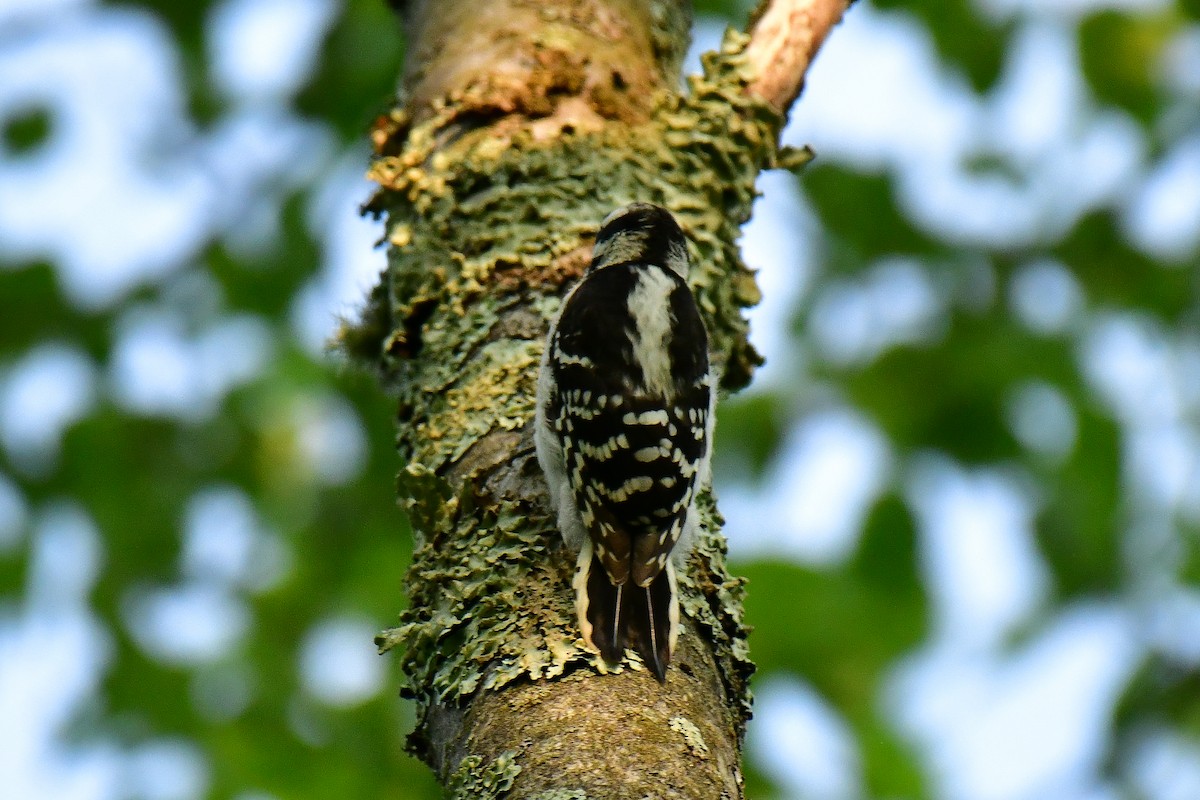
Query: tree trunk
x,y
521,124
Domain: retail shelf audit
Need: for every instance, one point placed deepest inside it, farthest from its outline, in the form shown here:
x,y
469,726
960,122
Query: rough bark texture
x,y
521,124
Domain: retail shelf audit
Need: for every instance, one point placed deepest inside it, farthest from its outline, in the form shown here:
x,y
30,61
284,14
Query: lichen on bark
x,y
490,215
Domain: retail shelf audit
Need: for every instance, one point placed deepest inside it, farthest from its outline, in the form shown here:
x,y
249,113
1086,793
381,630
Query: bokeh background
x,y
965,488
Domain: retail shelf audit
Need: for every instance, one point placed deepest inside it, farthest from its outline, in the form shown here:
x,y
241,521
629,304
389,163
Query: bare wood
x,y
537,59
785,36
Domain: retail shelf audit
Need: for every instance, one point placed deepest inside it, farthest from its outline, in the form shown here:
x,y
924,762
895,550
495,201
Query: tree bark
x,y
520,125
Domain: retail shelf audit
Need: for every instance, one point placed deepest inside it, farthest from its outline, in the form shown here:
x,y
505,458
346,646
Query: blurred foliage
x,y
963,36
1118,54
842,627
843,630
846,202
24,133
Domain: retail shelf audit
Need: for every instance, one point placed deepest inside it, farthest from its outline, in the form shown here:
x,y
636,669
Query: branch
x,y
785,36
520,125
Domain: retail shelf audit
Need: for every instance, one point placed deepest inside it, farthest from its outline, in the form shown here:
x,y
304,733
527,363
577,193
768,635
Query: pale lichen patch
x,y
474,781
691,736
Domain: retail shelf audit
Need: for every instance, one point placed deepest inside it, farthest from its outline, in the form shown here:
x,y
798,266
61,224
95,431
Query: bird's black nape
x,y
641,233
641,218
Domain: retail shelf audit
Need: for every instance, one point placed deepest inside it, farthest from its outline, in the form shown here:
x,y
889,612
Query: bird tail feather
x,y
615,617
